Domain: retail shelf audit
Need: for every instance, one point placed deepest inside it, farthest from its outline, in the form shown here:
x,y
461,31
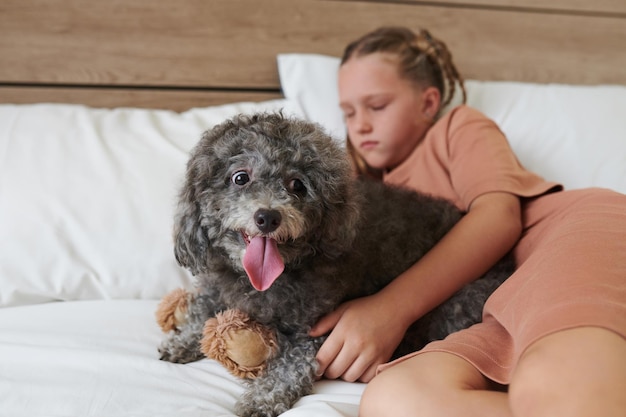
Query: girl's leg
x,y
433,384
577,372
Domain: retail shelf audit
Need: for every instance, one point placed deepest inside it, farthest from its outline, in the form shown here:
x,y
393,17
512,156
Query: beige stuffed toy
x,y
240,344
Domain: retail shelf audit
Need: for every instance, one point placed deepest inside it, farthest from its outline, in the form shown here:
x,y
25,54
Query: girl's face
x,y
387,116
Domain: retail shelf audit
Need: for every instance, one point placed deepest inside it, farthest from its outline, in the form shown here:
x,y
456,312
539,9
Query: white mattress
x,y
99,358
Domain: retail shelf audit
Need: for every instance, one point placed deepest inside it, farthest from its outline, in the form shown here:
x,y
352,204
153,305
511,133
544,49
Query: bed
x,y
100,103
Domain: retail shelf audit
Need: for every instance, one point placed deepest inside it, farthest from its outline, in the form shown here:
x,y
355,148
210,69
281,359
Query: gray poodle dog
x,y
272,222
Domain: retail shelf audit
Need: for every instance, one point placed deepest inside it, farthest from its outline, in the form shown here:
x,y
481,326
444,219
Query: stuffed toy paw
x,y
171,313
240,344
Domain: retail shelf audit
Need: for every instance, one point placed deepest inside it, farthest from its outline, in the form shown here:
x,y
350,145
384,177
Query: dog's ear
x,y
340,224
341,204
190,240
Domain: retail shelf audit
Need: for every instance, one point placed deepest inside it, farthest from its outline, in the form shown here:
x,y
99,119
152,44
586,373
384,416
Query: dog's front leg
x,y
288,377
183,344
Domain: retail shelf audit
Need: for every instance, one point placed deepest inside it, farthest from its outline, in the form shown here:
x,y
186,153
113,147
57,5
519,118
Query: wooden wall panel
x,y
591,7
232,44
177,100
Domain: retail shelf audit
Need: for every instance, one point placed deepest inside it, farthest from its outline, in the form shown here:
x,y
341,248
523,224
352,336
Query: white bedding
x,y
86,206
98,358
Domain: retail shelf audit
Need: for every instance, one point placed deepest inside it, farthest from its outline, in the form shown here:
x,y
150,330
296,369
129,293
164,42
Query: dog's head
x,y
263,192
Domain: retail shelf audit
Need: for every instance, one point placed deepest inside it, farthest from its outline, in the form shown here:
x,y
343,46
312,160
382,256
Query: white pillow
x,y
311,80
575,135
87,198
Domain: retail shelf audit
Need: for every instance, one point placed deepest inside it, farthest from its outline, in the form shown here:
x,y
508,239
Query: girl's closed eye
x,y
378,107
380,103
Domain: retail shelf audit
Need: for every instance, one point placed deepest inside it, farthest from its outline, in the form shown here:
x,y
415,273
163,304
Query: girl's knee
x,y
398,391
379,395
561,374
420,385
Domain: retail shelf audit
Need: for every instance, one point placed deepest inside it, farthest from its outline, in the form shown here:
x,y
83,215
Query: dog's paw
x,y
171,313
268,396
178,354
182,359
259,409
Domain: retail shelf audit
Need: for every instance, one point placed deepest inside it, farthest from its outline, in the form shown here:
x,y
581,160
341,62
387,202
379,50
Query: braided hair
x,y
422,59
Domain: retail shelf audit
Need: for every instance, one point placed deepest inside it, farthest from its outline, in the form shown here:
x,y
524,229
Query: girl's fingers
x,y
342,362
328,322
327,354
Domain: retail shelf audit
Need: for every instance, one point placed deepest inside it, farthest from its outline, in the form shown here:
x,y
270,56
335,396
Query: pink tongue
x,y
262,262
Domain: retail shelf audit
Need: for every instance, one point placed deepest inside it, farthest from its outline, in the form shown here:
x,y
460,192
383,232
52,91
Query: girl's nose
x,y
362,123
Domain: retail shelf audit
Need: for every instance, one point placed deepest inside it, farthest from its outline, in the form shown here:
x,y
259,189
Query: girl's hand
x,y
365,333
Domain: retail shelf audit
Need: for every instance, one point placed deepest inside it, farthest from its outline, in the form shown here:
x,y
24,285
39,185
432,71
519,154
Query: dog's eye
x,y
240,178
297,186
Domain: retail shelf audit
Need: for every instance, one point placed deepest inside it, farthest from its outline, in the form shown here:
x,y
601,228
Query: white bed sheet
x,y
99,358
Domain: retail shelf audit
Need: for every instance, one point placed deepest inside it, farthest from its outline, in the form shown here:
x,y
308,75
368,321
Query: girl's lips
x,y
369,144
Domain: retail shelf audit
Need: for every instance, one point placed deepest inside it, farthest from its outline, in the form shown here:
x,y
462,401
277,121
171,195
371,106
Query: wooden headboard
x,y
178,54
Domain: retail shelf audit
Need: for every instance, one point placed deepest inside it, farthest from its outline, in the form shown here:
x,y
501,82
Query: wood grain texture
x,y
177,100
567,6
232,44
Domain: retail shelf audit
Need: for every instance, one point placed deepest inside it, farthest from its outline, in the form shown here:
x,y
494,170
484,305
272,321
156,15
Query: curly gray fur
x,y
339,238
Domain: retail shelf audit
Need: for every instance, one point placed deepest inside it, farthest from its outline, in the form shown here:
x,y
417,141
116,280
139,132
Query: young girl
x,y
552,341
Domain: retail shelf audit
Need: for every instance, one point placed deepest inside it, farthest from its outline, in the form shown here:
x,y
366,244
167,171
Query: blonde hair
x,y
422,59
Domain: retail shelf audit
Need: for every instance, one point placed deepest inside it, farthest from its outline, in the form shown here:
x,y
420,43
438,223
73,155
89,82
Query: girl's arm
x,y
366,331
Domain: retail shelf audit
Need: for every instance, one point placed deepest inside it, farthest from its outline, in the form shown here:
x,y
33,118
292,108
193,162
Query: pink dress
x,y
571,258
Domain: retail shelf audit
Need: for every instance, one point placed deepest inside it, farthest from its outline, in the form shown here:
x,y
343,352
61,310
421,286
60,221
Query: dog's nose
x,y
267,220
